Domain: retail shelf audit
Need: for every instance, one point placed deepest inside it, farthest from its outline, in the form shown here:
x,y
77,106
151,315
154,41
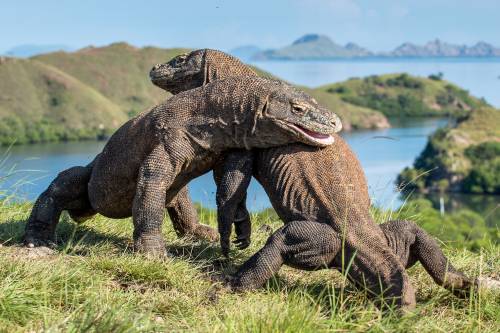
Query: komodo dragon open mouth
x,y
311,137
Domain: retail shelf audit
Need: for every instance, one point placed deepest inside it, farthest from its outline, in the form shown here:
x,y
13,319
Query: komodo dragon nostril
x,y
155,67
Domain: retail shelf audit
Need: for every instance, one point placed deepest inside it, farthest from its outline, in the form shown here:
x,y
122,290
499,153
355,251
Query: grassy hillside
x,y
118,71
96,284
352,116
405,95
41,103
465,158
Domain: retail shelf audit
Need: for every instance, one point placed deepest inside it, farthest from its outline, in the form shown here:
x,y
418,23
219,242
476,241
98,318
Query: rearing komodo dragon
x,y
154,155
308,185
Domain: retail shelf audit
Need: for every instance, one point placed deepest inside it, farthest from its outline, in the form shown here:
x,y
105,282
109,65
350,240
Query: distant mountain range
x,y
29,50
314,46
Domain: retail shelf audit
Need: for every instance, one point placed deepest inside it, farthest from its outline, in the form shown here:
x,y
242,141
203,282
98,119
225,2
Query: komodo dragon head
x,y
300,114
197,68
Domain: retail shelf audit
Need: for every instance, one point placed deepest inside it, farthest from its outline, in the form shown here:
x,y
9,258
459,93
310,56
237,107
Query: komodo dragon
x,y
151,157
305,185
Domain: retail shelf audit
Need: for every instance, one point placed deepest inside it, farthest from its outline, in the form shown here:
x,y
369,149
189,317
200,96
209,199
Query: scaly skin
x,y
153,156
307,185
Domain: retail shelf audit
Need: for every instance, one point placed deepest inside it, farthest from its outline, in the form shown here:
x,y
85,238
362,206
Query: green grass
x,y
94,283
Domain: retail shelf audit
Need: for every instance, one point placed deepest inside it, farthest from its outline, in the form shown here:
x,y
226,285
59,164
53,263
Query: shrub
x,y
484,176
436,77
405,81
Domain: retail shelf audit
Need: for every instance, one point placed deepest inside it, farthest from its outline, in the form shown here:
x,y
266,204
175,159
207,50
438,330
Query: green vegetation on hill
x,y
464,158
406,95
41,103
119,71
353,116
96,284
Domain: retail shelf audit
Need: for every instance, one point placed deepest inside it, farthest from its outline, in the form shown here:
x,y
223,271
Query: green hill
x,y
406,95
464,158
41,103
118,71
80,95
353,116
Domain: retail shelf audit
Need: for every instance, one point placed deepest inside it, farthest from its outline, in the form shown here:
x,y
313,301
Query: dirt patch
x,y
28,253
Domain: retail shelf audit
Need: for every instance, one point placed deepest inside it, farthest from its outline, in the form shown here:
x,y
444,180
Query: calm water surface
x,y
383,153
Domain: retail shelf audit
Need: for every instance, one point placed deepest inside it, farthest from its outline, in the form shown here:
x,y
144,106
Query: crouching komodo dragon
x,y
154,155
307,185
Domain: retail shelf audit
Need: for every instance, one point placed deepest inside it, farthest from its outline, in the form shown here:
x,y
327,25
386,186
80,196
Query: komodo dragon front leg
x,y
185,218
155,176
232,176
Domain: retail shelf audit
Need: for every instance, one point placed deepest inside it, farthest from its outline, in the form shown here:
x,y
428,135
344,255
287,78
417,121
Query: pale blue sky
x,y
375,24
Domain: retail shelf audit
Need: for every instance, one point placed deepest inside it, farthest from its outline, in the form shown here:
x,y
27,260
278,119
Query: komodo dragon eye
x,y
298,109
181,59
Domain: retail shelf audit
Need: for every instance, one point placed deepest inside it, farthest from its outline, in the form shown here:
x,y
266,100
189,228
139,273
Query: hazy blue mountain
x,y
438,48
29,50
246,52
313,46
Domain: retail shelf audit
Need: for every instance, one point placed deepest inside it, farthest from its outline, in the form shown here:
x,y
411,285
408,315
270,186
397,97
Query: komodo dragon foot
x,y
151,244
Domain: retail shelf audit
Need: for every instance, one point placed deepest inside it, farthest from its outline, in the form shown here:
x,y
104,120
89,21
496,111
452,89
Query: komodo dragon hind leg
x,y
311,245
232,176
67,192
418,245
369,263
185,218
